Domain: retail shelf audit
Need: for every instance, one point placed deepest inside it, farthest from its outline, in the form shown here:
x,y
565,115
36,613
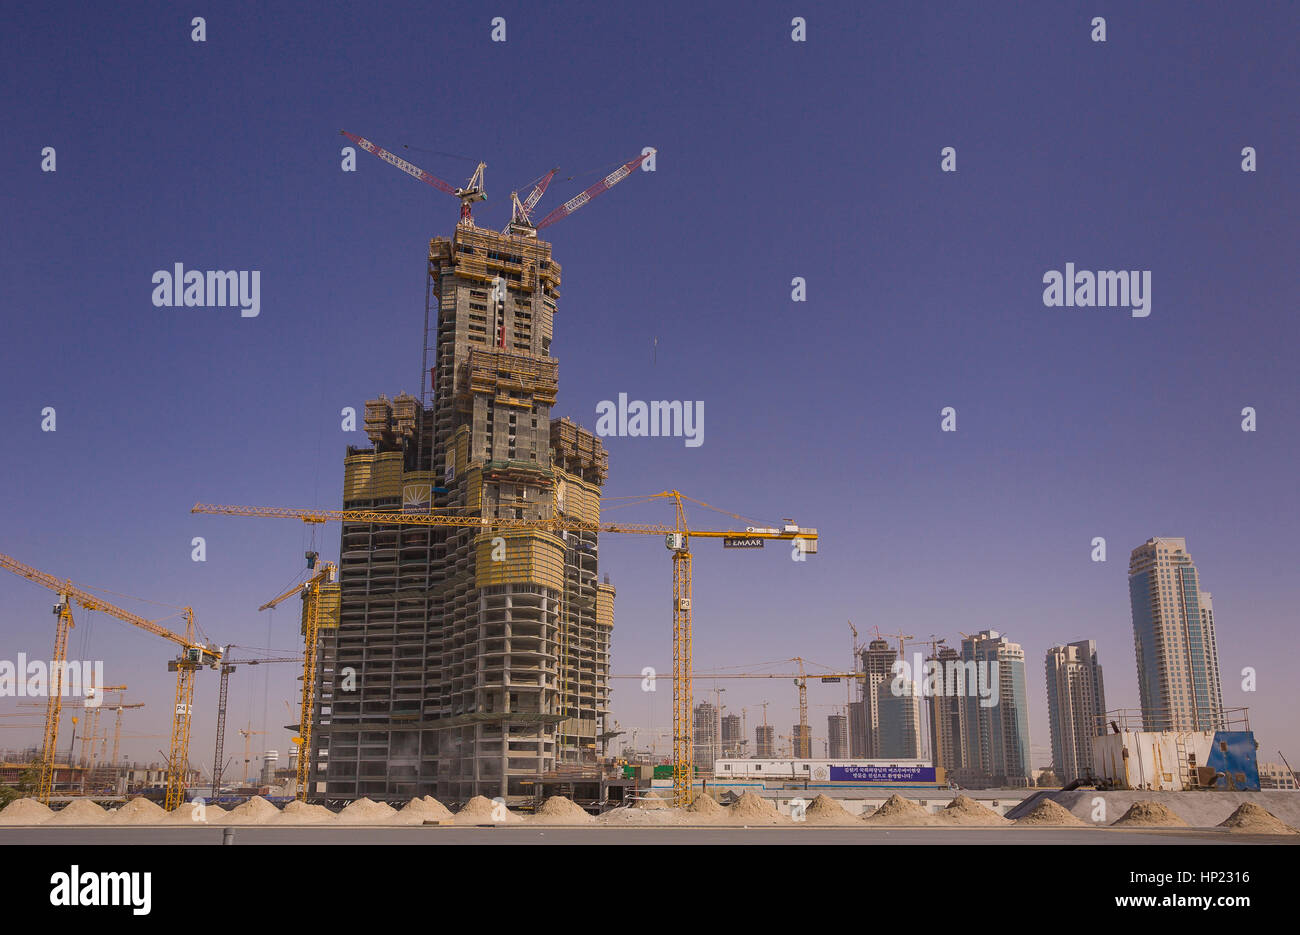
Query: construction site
x,y
456,658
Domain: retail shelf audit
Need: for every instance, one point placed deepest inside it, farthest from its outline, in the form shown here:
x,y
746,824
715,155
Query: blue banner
x,y
875,772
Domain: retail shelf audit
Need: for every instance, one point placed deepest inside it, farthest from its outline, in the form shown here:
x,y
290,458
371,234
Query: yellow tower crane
x,y
677,538
311,614
193,655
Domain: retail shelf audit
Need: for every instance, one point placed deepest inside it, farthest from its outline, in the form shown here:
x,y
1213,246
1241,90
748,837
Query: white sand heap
x,y
824,810
256,811
366,811
1048,812
1250,818
139,811
964,810
418,811
752,809
24,812
706,807
300,813
481,811
1146,812
559,810
900,811
79,812
187,813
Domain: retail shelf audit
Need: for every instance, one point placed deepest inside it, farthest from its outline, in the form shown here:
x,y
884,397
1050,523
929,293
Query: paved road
x,y
634,836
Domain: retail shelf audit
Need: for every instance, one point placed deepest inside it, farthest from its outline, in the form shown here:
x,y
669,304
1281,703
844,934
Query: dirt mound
x,y
900,811
365,811
256,811
418,811
300,813
24,812
558,810
184,814
1146,812
964,810
824,810
1047,812
481,811
707,806
752,809
79,812
1250,818
138,812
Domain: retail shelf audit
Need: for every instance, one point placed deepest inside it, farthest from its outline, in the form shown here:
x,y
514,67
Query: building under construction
x,y
464,661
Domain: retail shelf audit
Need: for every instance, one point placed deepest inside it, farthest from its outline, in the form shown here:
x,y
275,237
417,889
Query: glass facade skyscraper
x,y
1173,637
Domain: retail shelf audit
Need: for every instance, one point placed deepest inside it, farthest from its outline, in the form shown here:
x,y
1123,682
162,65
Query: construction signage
x,y
742,542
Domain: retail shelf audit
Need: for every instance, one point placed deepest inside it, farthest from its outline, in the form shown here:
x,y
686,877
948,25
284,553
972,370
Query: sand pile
x,y
480,811
964,810
654,800
558,810
300,813
1047,812
1146,812
418,811
24,812
183,814
79,812
900,811
752,809
256,811
366,811
1250,818
824,810
707,808
139,812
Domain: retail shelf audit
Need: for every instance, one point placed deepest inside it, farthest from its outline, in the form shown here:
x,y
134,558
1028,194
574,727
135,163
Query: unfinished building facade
x,y
478,657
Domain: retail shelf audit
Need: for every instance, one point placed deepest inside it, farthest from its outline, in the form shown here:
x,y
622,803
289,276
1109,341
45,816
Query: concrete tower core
x,y
481,656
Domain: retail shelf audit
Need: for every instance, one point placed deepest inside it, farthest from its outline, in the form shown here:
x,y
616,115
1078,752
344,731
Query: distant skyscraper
x,y
948,716
1076,702
877,664
706,735
801,745
765,742
1173,636
837,737
898,735
733,740
997,735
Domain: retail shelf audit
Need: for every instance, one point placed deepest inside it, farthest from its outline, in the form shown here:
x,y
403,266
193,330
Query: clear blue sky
x,y
776,159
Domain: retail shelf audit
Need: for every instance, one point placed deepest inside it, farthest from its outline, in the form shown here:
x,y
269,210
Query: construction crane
x,y
310,591
192,657
248,753
676,537
228,666
604,185
520,212
472,192
93,724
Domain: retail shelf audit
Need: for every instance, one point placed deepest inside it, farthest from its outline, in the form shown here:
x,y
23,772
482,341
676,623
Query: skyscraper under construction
x,y
469,661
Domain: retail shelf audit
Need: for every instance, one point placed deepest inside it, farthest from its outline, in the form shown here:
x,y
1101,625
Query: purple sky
x,y
776,159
